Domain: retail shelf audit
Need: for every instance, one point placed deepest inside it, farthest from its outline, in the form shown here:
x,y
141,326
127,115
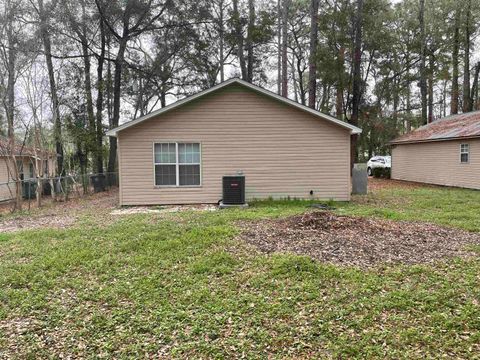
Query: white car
x,y
378,162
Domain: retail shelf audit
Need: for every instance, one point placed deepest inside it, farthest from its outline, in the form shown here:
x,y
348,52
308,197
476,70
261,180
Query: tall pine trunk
x,y
357,79
456,47
279,47
99,104
312,64
239,39
423,74
221,33
91,144
286,4
10,106
250,32
467,103
340,85
117,82
431,60
47,47
474,92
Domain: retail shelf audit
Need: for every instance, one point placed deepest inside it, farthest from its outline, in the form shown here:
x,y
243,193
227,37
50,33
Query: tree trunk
x,y
12,56
474,92
301,85
38,162
117,82
312,63
466,63
444,100
286,4
109,83
423,75
431,69
163,96
239,39
251,29
396,99
88,87
456,46
357,78
99,104
57,127
408,117
294,80
10,106
340,86
221,32
279,47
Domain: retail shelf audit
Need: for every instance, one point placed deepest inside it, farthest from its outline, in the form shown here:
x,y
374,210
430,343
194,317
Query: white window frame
x,y
177,164
462,152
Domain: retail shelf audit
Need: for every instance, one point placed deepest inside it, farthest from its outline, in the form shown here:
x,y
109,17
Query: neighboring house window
x,y
464,153
177,164
20,169
31,171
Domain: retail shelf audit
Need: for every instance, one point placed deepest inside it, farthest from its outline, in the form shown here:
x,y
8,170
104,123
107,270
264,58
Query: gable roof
x,y
452,127
353,129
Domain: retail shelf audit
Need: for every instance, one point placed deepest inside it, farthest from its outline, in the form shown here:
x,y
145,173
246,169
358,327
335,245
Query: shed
x,y
444,152
178,154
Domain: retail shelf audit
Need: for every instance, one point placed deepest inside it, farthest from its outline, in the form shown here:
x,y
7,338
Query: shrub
x,y
384,173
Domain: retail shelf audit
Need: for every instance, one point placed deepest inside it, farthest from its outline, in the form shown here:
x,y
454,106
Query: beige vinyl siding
x,y
282,151
437,163
5,177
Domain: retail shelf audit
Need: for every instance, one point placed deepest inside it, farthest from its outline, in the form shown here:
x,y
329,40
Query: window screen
x,y
189,163
464,153
177,164
165,164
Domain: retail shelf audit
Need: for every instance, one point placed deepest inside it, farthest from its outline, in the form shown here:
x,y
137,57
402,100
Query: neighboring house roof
x,y
22,150
353,129
452,127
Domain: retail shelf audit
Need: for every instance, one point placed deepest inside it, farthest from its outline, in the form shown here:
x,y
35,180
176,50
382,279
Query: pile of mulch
x,y
357,241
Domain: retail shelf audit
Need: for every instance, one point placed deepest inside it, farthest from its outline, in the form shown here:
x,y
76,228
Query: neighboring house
x,y
178,154
444,152
26,160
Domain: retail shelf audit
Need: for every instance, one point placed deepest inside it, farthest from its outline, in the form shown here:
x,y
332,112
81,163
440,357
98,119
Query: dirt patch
x,y
22,223
376,184
356,241
60,214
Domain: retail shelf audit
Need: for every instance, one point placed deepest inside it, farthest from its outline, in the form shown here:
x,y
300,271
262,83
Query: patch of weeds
x,y
293,265
218,263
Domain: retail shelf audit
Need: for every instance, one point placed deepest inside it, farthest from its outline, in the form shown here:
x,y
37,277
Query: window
x,y
31,170
464,153
177,164
20,169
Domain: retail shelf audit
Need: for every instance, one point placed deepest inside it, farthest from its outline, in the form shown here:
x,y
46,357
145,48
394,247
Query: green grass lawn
x,y
182,286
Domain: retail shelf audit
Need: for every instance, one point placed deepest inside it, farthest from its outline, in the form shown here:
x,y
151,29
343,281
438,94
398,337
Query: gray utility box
x,y
359,179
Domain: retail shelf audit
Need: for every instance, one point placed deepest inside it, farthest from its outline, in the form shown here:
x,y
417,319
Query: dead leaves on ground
x,y
357,241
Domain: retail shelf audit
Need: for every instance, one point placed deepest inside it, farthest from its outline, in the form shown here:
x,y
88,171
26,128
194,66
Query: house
x,y
444,152
178,154
27,159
